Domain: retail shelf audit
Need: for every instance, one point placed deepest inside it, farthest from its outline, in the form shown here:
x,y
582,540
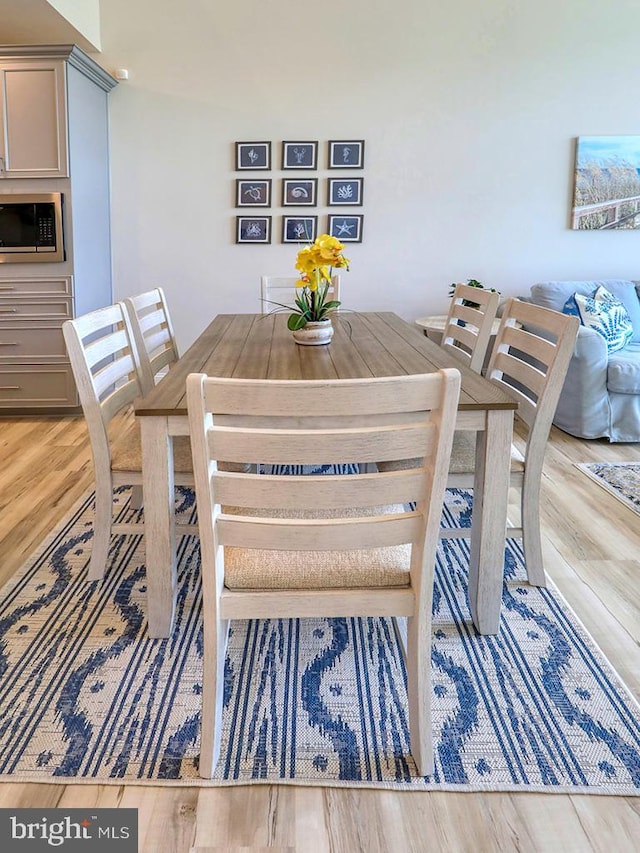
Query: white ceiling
x,y
36,22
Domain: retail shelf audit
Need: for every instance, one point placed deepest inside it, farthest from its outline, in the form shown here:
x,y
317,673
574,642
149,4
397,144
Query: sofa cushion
x,y
554,294
606,315
623,371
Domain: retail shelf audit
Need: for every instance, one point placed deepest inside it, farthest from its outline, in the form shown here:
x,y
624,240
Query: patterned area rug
x,y
87,696
622,480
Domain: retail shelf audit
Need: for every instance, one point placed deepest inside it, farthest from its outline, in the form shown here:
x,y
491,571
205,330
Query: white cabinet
x,y
33,119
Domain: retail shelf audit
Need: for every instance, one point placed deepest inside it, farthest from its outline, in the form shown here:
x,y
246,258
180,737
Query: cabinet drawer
x,y
37,385
35,308
22,343
61,286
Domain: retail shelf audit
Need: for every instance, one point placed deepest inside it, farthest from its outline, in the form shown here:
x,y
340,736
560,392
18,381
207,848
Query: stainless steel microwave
x,y
31,228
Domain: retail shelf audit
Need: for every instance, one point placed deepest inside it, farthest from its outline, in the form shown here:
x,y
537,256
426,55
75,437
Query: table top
x,y
259,346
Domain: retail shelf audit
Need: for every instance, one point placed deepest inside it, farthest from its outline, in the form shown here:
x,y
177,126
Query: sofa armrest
x,y
583,407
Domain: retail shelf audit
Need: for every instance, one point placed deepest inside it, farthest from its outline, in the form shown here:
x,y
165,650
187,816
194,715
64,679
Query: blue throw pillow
x,y
606,315
571,307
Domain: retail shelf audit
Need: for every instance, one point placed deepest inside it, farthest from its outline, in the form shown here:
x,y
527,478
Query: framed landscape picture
x,y
253,193
348,229
344,191
299,229
345,154
297,192
253,229
607,183
300,155
253,155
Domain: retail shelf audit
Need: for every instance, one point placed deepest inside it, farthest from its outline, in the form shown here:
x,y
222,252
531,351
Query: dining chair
x,y
332,545
529,362
153,333
467,329
466,335
281,290
105,364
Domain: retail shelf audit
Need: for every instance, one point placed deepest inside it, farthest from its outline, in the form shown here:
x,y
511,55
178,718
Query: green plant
x,y
472,282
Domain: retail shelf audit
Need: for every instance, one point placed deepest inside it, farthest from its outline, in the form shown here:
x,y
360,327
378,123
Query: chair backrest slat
x,y
346,398
271,492
323,447
287,534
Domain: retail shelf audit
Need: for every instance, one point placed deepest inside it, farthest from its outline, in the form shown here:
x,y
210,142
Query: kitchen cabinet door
x,y
33,120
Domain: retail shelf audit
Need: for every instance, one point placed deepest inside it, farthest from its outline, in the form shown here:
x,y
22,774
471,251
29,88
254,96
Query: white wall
x,y
82,14
469,111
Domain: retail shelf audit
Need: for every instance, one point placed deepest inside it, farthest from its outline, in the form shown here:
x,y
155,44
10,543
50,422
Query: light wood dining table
x,y
259,346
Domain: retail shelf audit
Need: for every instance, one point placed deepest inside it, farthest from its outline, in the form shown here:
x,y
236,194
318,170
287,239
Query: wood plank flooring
x,y
592,552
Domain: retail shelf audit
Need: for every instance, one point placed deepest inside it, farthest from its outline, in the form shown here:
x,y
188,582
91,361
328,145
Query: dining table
x,y
364,344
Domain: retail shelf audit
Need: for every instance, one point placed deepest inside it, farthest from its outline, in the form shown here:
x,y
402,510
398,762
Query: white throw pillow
x,y
606,315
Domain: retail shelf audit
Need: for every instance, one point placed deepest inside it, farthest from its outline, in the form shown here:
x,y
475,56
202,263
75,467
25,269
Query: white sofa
x,y
601,394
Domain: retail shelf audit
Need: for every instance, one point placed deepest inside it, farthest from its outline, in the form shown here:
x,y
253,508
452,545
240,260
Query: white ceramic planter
x,y
314,333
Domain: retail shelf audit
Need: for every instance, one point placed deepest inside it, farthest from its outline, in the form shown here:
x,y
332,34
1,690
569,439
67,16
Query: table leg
x,y
159,526
489,520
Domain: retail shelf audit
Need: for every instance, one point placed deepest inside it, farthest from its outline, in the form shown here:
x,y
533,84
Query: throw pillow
x,y
571,307
606,315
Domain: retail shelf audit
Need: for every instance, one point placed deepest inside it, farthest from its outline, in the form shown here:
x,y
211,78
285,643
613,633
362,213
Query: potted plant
x,y
310,318
472,282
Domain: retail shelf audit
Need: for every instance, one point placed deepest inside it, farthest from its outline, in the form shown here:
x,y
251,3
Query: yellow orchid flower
x,y
314,263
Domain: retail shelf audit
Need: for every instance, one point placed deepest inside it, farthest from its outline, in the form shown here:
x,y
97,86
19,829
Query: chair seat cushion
x,y
370,567
126,452
463,456
623,371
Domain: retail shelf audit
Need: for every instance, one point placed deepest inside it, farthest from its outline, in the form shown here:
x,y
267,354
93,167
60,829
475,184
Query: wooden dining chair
x,y
281,290
466,335
467,329
105,364
294,546
153,333
529,362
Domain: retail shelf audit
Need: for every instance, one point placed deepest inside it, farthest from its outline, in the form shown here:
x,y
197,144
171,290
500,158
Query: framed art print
x,y
348,229
299,155
346,154
299,229
297,192
344,191
253,193
253,155
253,229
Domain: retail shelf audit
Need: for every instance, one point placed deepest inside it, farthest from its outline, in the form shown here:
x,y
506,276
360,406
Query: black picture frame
x,y
300,155
345,191
346,227
299,192
253,193
299,229
346,154
255,156
253,229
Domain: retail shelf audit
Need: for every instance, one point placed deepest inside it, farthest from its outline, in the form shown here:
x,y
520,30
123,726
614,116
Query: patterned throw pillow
x,y
607,315
571,307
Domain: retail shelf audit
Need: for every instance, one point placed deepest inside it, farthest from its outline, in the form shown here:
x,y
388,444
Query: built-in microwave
x,y
31,228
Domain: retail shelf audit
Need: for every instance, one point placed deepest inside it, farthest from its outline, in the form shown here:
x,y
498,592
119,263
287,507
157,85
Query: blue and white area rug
x,y
86,696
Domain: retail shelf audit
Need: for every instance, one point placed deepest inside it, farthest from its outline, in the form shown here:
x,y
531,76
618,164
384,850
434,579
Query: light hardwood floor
x,y
592,552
